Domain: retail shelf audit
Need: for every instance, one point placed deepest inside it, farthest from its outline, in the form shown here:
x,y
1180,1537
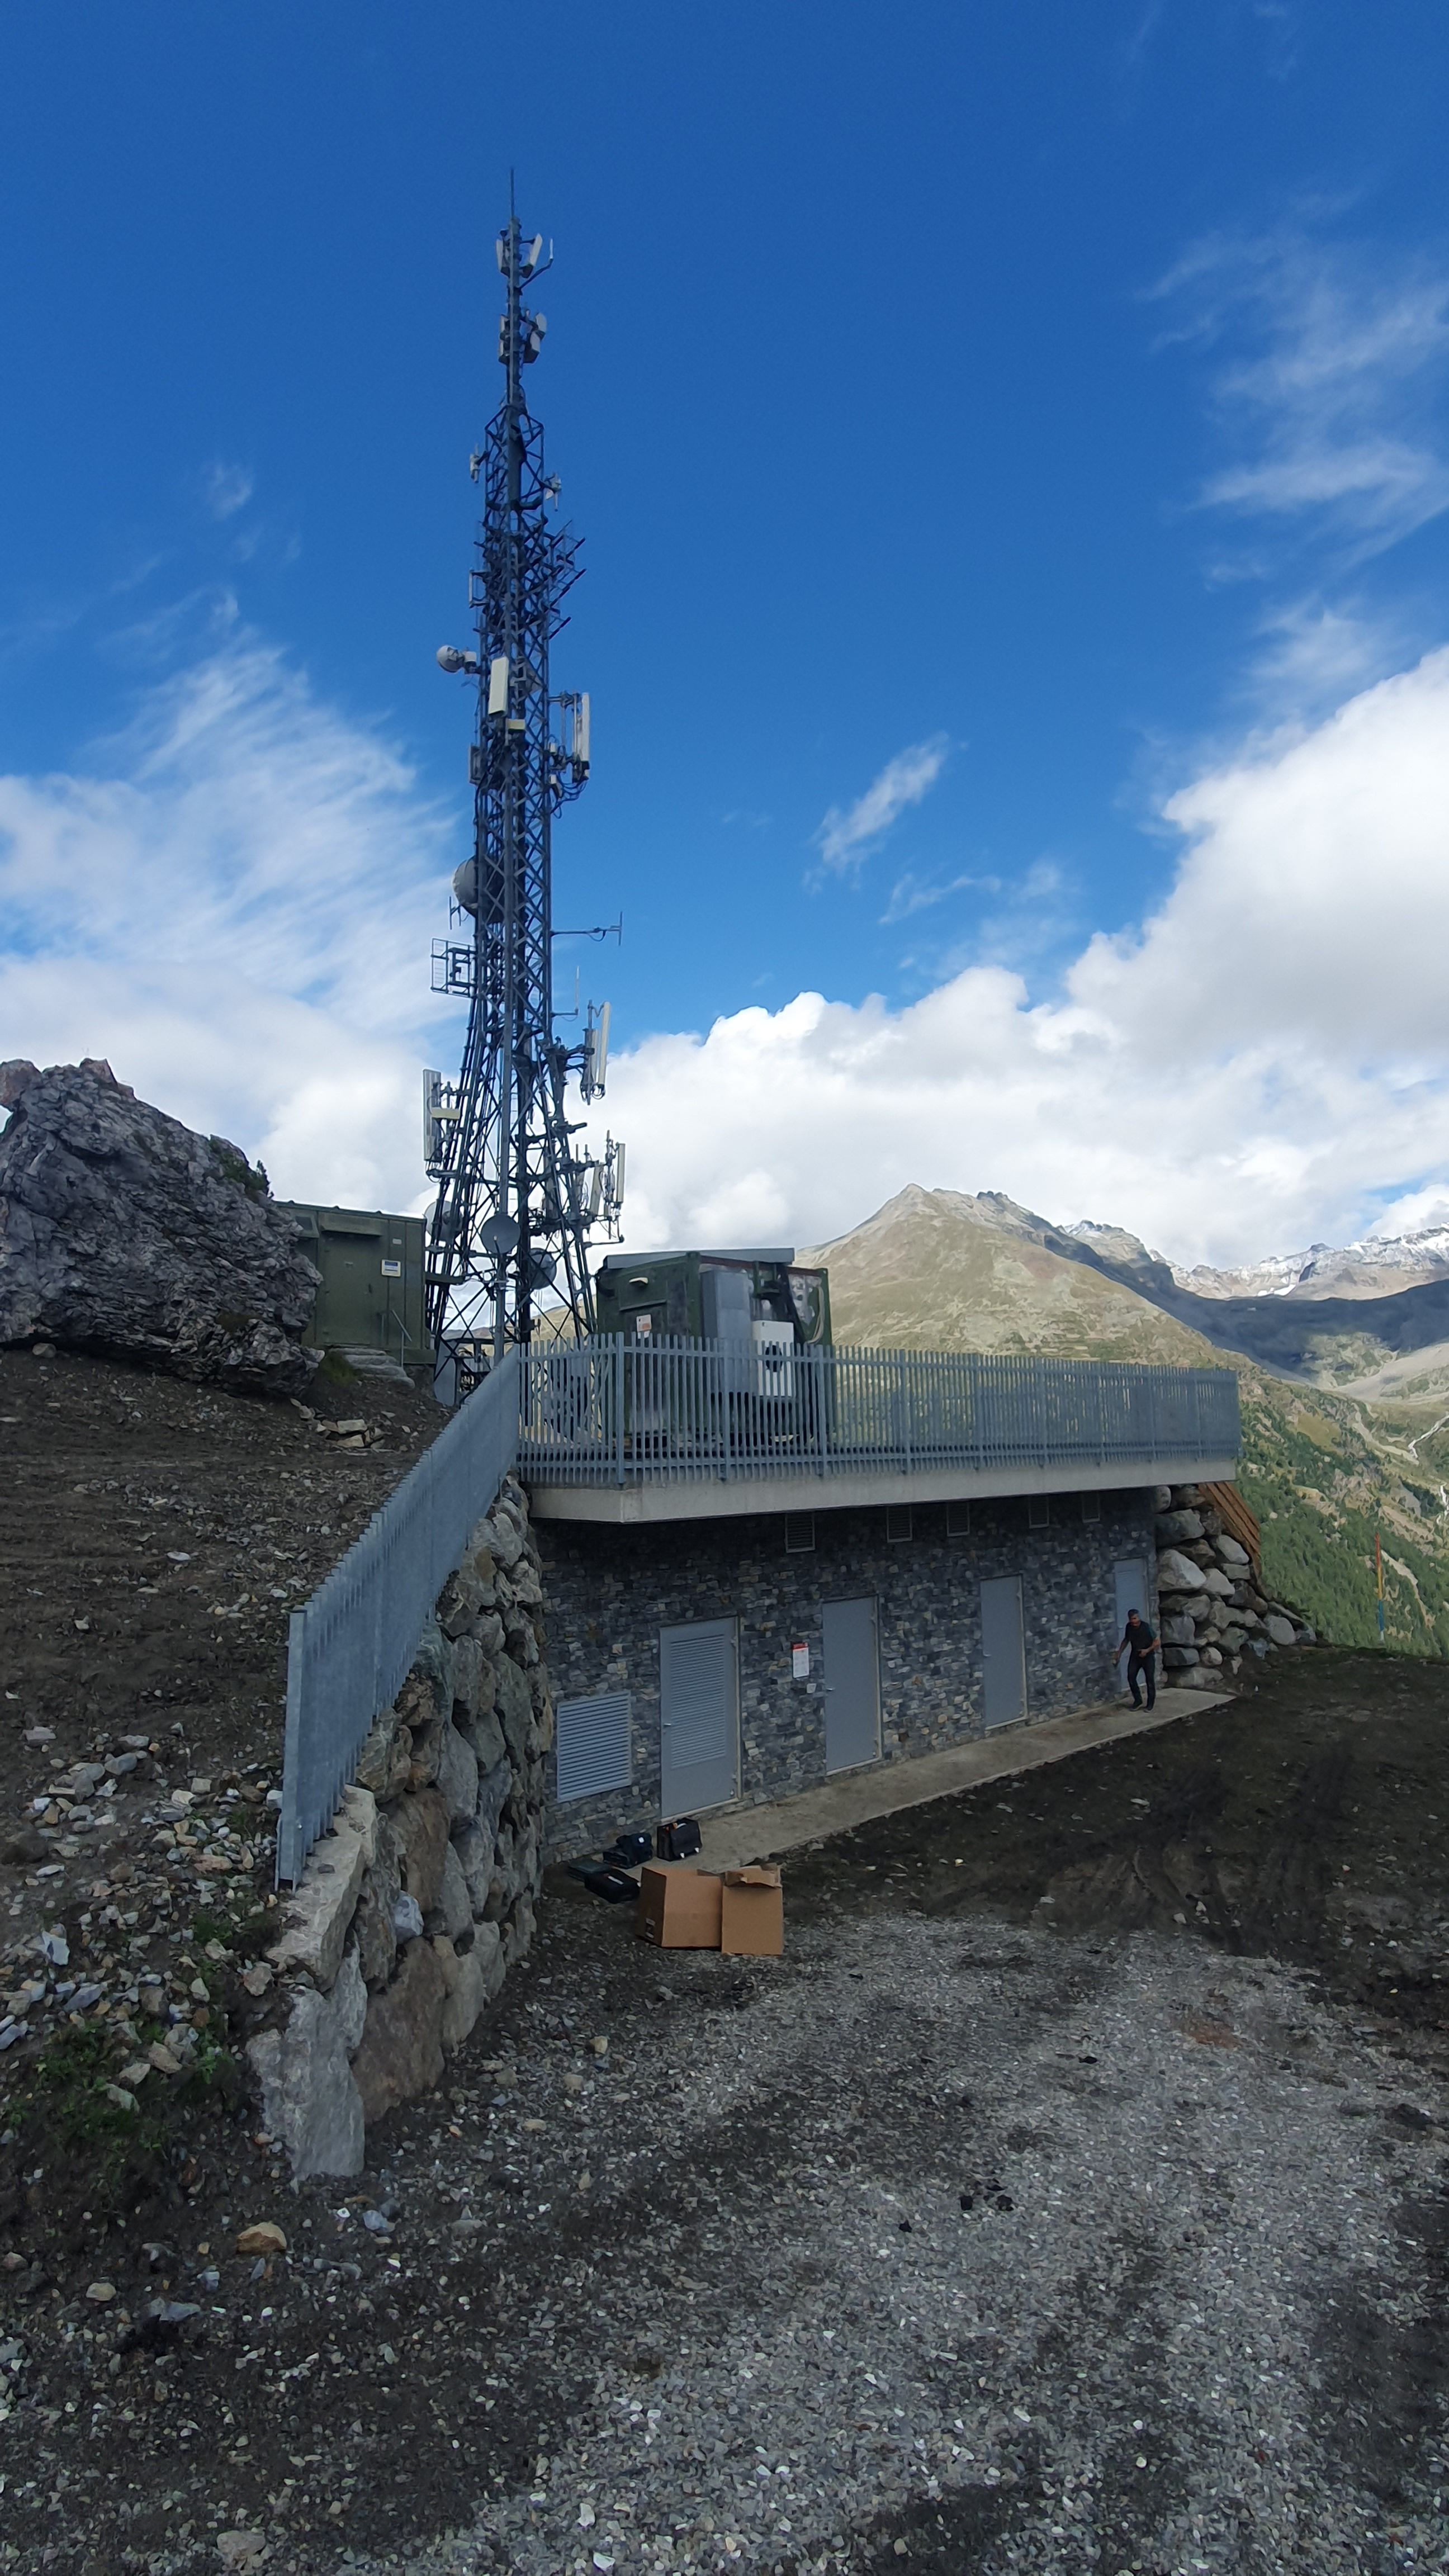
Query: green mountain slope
x,y
1322,1468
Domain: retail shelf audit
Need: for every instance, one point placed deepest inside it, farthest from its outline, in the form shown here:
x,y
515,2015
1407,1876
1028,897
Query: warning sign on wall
x,y
800,1661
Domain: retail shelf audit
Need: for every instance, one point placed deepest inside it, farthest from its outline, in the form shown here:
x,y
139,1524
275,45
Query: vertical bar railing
x,y
349,1647
669,1409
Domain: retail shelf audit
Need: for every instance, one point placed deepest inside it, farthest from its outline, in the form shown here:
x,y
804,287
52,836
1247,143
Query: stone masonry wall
x,y
414,1907
1215,1620
611,1590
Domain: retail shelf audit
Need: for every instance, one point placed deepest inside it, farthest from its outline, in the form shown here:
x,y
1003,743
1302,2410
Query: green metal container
x,y
714,1296
371,1297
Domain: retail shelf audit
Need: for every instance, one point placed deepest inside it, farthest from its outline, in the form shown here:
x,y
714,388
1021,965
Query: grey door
x,y
852,1684
1130,1579
699,1716
1003,1656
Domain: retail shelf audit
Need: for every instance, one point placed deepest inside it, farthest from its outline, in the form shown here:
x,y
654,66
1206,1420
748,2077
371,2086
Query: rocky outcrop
x,y
1212,1616
413,1908
123,1232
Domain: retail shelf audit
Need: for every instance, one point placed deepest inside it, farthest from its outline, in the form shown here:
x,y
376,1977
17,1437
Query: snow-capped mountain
x,y
1375,1267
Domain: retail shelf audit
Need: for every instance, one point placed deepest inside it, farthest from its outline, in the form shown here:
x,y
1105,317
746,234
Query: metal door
x,y
1130,1579
852,1684
1003,1654
699,1716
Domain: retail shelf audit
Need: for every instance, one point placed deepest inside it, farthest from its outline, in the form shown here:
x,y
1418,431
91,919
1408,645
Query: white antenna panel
x,y
581,732
498,685
618,1176
601,1046
596,1192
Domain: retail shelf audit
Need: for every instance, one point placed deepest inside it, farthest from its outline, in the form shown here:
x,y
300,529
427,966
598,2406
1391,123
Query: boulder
x,y
428,1690
310,2098
1177,1573
386,1757
468,1672
121,1231
457,1775
373,1921
1216,1582
1178,1659
453,1913
485,1735
1177,1629
475,1859
465,1992
493,1794
518,1932
503,1537
1280,1629
349,1999
488,1951
1174,1528
427,1736
402,2045
421,1826
1229,1553
515,1707
322,1905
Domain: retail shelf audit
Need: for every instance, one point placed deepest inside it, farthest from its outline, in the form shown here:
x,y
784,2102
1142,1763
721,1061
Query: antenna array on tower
x,y
517,1198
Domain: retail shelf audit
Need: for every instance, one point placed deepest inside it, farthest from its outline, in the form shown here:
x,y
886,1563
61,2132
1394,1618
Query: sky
x,y
1011,449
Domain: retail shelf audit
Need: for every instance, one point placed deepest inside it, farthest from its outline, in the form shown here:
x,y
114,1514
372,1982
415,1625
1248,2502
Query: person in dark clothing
x,y
1140,1648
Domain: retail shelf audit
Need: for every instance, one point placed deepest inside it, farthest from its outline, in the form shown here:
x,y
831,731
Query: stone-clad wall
x,y
414,1907
611,1590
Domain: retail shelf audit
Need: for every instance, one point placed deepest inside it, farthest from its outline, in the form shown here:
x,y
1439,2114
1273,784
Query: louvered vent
x,y
594,1744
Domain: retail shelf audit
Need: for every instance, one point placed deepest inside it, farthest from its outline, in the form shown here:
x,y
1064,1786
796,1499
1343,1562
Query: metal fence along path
x,y
669,1410
350,1646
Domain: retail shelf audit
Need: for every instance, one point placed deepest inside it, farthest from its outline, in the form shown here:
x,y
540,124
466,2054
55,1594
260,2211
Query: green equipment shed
x,y
371,1297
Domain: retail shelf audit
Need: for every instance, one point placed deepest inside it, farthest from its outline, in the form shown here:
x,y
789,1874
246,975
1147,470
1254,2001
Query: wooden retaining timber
x,y
1238,1521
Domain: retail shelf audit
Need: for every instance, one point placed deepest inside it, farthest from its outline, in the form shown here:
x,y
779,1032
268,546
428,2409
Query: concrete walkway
x,y
743,1834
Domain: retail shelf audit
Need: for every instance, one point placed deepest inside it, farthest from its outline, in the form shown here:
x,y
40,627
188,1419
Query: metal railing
x,y
667,1411
350,1646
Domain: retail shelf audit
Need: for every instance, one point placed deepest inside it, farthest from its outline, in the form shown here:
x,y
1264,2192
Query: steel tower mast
x,y
516,1201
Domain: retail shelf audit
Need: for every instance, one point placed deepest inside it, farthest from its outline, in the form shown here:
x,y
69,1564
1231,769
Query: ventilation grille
x,y
594,1747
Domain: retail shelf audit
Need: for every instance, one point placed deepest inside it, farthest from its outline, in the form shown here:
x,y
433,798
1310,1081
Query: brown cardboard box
x,y
679,1906
752,1913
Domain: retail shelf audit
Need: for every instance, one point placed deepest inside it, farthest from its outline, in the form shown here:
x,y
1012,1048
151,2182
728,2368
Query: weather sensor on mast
x,y
516,1199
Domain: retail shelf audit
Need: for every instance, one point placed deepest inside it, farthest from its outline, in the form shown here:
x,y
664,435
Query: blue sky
x,y
1005,441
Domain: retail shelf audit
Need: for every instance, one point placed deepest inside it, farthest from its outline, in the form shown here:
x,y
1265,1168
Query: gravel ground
x,y
1070,2196
966,2245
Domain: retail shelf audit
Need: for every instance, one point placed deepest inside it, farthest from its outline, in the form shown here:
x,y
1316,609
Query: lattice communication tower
x,y
517,1198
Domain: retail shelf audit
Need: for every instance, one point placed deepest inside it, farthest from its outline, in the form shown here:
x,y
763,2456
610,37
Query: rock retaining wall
x,y
1213,1618
413,1908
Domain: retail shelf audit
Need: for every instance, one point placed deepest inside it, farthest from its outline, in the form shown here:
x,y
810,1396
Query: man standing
x,y
1140,1648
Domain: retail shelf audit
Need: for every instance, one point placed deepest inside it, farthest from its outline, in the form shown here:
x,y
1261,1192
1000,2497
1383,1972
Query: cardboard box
x,y
752,1913
679,1906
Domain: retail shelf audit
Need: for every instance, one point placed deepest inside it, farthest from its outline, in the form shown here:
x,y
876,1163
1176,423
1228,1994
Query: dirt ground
x,y
1072,2195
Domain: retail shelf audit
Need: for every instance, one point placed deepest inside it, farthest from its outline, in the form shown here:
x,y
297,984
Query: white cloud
x,y
1330,403
912,894
234,901
1256,1067
234,904
228,488
846,835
